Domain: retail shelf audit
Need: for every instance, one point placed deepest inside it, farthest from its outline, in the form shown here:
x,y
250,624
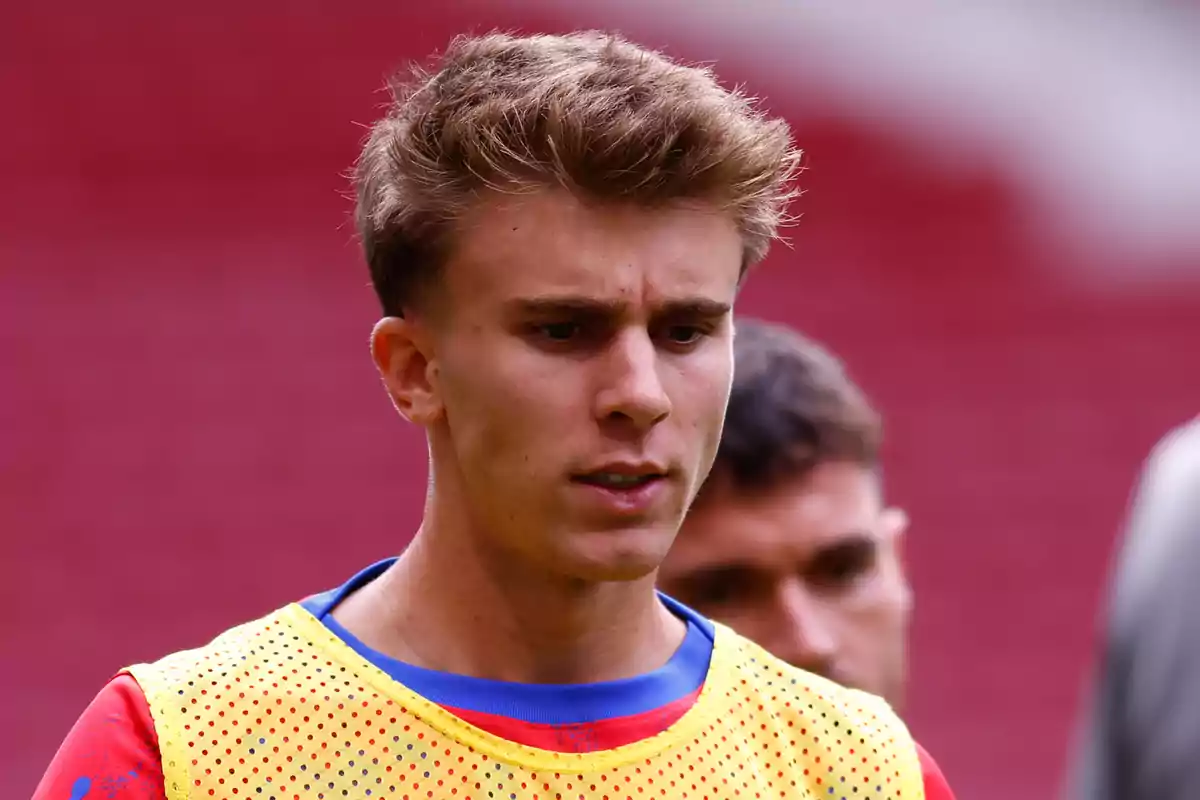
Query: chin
x,y
623,572
617,556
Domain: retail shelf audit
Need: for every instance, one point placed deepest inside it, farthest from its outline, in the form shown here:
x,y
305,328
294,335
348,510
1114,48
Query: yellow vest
x,y
282,709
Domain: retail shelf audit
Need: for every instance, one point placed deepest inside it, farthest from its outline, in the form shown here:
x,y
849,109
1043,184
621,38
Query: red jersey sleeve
x,y
936,787
111,752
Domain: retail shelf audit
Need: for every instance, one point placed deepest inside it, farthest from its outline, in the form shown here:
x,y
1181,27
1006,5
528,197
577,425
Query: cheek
x,y
498,413
701,393
891,589
878,610
859,605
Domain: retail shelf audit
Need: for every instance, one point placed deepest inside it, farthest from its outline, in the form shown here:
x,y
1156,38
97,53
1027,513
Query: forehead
x,y
788,523
549,242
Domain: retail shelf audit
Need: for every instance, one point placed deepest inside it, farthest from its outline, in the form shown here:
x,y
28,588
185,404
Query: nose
x,y
632,390
804,636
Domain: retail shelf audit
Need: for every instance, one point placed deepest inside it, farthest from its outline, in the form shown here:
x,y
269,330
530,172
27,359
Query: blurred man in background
x,y
1141,736
789,541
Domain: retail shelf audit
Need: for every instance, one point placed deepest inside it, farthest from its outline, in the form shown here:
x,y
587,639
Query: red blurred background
x,y
192,432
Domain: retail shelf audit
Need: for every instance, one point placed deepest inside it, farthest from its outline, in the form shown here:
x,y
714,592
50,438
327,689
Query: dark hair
x,y
793,406
589,112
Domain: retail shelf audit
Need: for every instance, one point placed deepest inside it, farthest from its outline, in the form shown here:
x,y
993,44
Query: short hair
x,y
793,407
589,112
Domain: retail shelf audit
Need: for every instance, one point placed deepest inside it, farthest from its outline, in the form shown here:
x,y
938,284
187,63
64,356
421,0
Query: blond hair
x,y
588,112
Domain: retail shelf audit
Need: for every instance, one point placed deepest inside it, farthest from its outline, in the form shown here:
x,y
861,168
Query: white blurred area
x,y
1091,108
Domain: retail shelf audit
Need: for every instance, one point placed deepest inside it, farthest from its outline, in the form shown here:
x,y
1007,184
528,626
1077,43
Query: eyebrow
x,y
853,538
852,541
714,572
545,305
858,542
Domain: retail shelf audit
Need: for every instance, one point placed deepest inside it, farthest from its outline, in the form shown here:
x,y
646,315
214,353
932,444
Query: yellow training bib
x,y
282,709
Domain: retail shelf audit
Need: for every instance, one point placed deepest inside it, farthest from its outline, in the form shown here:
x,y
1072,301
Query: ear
x,y
893,525
402,351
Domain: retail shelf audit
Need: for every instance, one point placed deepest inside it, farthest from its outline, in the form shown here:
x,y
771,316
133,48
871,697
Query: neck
x,y
446,605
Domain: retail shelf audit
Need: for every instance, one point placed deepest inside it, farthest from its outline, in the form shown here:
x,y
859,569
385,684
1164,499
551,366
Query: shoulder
x,y
1182,443
936,787
1167,492
829,727
1162,541
112,746
278,636
792,692
1172,471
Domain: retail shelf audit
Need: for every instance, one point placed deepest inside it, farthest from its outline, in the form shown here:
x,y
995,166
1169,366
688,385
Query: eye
x,y
559,331
685,334
720,587
843,566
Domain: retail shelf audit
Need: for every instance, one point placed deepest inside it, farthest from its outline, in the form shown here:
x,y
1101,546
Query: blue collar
x,y
539,703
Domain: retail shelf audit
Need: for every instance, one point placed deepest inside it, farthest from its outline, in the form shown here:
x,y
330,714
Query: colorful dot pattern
x,y
281,709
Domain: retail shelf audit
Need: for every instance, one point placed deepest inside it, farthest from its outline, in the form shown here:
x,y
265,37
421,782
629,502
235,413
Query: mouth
x,y
619,481
626,490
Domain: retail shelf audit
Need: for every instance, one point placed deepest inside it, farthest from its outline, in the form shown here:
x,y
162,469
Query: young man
x,y
557,228
789,542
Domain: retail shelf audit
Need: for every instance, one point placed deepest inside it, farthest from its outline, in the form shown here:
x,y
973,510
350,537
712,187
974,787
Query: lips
x,y
618,481
622,475
626,490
